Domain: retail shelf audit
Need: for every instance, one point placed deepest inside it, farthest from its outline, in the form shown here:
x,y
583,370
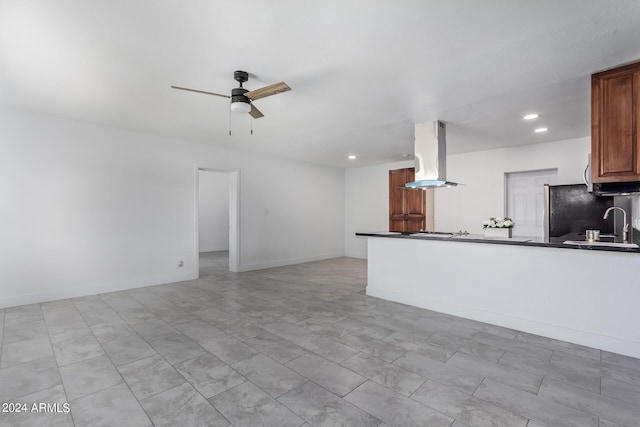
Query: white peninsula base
x,y
581,296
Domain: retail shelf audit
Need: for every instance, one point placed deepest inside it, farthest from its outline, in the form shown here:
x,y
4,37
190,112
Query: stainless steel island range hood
x,y
431,156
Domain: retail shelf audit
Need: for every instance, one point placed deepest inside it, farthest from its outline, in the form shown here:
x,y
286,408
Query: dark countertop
x,y
552,242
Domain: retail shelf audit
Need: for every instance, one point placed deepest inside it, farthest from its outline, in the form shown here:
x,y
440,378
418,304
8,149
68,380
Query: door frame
x,y
506,185
426,196
234,216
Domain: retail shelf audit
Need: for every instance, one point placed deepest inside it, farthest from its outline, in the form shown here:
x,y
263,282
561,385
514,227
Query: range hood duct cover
x,y
431,156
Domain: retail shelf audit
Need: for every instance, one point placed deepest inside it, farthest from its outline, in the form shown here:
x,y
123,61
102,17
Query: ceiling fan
x,y
241,98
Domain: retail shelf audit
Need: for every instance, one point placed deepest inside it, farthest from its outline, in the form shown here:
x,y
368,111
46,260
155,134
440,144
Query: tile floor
x,y
293,346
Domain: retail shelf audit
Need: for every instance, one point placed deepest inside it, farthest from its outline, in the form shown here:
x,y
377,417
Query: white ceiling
x,y
362,71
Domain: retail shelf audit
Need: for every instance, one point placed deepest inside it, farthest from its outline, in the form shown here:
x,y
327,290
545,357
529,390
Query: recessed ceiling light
x,y
352,157
531,116
540,130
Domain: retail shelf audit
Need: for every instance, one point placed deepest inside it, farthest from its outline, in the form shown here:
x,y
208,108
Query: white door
x,y
525,200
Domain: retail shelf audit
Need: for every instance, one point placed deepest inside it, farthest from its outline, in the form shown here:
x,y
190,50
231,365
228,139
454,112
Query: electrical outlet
x,y
180,263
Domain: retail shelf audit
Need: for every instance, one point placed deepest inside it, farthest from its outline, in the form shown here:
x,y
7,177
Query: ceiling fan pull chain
x,y
229,122
251,125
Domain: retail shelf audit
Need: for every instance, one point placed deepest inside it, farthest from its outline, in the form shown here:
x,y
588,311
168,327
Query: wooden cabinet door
x,y
615,115
414,206
397,214
407,208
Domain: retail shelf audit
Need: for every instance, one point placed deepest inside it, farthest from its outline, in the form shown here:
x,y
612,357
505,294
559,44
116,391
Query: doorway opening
x,y
214,264
217,215
525,200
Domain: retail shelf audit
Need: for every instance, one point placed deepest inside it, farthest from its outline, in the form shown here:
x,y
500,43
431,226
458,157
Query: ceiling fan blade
x,y
200,91
267,91
255,113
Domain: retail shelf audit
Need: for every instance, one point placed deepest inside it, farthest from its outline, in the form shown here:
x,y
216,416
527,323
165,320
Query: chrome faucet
x,y
625,227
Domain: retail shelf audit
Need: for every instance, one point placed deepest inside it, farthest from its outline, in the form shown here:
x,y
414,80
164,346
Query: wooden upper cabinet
x,y
407,207
615,116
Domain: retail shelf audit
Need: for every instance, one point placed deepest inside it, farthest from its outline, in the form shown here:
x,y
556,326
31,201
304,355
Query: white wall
x,y
482,172
213,212
87,209
367,203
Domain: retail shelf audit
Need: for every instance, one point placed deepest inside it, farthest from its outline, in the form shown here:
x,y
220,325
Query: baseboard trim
x,y
216,249
356,254
92,289
290,261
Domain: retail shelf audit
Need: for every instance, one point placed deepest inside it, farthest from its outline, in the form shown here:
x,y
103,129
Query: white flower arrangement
x,y
498,223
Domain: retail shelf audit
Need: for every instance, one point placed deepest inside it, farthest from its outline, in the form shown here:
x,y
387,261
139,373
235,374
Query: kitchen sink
x,y
602,236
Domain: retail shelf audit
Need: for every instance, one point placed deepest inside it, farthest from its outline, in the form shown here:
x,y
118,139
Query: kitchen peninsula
x,y
585,294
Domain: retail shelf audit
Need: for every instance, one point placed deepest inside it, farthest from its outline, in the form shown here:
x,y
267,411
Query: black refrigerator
x,y
571,209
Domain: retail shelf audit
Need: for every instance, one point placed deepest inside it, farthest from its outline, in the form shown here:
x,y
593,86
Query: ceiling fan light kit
x,y
241,98
240,107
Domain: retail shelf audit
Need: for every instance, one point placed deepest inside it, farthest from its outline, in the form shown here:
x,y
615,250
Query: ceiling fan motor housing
x,y
237,95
